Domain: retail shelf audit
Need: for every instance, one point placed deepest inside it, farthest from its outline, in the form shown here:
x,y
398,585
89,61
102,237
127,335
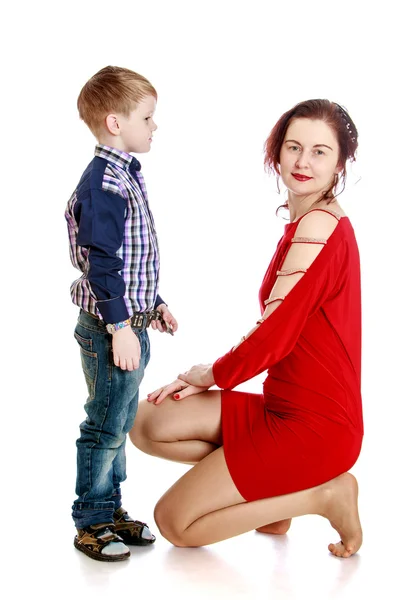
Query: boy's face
x,y
136,130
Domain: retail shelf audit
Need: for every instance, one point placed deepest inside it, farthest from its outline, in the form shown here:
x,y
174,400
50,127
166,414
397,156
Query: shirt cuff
x,y
113,311
159,301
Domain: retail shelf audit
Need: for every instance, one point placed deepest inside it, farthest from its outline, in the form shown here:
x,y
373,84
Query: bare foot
x,y
342,511
278,528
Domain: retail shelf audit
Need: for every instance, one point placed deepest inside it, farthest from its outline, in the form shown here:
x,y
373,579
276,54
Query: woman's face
x,y
309,157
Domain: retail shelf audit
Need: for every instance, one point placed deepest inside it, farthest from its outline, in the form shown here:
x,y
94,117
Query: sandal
x,y
93,540
134,533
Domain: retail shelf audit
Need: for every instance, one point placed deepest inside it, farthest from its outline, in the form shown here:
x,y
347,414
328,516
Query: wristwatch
x,y
113,327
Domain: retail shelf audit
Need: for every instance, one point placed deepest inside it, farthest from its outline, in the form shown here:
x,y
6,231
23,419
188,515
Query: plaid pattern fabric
x,y
138,254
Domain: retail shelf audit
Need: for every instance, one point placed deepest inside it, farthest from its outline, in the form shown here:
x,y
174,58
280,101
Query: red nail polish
x,y
176,396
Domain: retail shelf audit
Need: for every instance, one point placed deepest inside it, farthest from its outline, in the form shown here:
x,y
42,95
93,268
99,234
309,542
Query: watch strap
x,y
113,327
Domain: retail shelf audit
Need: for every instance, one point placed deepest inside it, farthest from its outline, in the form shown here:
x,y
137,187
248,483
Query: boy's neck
x,y
113,142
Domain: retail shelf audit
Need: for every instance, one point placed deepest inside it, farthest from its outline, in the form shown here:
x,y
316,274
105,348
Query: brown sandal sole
x,y
97,555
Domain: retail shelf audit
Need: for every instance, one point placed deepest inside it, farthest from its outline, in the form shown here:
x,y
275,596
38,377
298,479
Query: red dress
x,y
307,426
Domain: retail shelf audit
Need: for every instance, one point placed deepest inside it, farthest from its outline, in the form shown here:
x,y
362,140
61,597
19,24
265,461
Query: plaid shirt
x,y
112,238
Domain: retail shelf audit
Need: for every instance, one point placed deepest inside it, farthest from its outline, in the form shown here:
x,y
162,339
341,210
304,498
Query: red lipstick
x,y
301,177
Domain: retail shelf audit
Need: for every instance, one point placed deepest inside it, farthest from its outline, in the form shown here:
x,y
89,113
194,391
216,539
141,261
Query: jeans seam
x,y
109,383
110,360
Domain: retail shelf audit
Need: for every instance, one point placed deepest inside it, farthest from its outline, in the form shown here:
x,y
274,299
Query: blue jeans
x,y
111,409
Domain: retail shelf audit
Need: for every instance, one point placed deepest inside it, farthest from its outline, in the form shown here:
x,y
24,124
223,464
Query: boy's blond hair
x,y
111,90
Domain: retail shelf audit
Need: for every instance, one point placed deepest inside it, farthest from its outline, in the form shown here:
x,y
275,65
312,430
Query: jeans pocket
x,y
89,363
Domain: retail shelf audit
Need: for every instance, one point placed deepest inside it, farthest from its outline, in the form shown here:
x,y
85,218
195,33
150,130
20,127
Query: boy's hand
x,y
126,349
168,318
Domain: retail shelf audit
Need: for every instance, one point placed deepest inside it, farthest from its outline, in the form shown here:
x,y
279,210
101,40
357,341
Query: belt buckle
x,y
151,315
141,320
137,320
155,315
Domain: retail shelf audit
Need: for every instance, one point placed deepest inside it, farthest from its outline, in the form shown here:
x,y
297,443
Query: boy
x,y
113,242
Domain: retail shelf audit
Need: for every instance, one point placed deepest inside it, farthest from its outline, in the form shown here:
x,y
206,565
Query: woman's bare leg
x,y
204,507
186,432
183,431
278,528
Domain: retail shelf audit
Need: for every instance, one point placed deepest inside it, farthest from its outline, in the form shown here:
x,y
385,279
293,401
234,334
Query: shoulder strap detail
x,y
308,240
273,299
290,272
327,210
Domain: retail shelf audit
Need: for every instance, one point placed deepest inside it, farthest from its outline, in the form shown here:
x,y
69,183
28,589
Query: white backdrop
x,y
224,73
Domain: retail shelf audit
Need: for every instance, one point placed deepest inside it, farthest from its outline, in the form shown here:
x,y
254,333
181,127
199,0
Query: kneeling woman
x,y
262,459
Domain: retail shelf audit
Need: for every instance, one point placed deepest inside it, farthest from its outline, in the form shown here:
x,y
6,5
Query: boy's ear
x,y
112,124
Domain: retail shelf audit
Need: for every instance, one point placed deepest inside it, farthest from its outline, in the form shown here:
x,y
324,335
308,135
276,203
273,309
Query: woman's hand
x,y
199,375
179,389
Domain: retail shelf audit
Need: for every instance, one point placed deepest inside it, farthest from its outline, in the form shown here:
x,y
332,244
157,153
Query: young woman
x,y
262,459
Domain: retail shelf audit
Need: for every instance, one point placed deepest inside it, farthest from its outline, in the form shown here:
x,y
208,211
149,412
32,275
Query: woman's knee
x,y
167,525
140,433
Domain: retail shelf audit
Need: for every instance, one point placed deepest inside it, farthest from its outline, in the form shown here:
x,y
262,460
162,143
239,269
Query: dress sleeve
x,y
305,280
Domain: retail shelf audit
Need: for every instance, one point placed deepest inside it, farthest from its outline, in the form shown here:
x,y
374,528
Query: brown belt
x,y
139,320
